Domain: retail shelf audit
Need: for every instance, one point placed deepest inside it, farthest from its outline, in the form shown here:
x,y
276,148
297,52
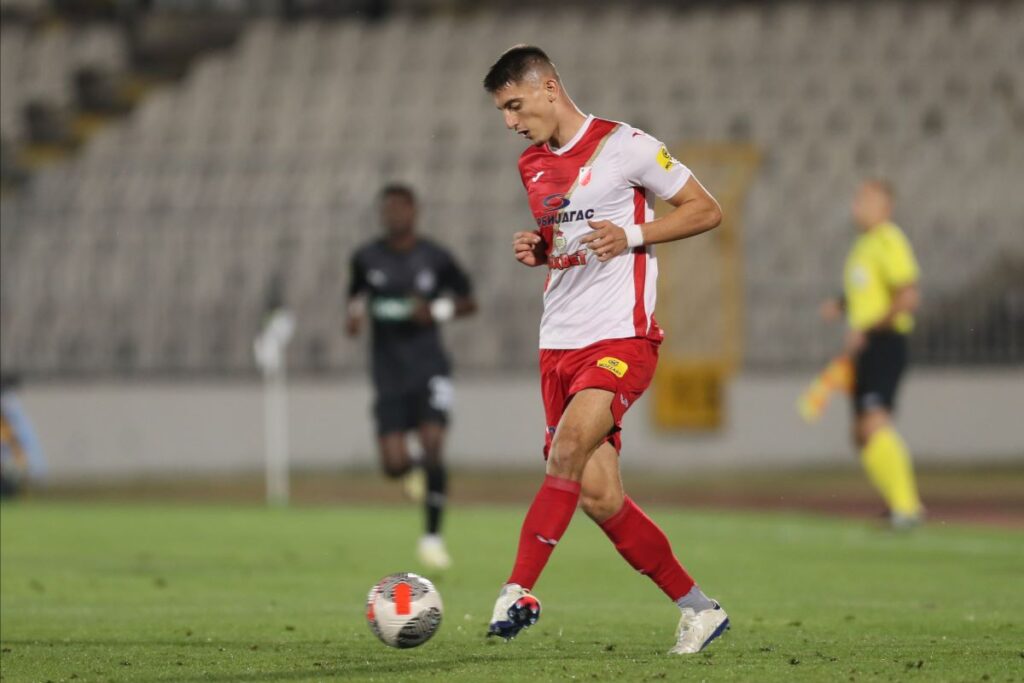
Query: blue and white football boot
x,y
515,610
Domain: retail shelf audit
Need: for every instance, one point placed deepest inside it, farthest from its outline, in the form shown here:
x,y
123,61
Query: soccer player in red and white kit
x,y
591,185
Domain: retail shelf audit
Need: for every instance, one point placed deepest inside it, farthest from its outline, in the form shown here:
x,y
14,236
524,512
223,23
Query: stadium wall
x,y
126,431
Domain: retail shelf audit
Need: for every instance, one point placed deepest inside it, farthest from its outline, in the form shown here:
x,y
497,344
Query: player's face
x,y
398,215
871,206
528,108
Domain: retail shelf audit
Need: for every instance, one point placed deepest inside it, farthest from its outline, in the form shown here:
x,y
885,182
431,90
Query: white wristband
x,y
634,236
442,309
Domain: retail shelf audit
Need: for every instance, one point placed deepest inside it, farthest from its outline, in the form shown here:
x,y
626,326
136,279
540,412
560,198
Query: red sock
x,y
546,521
644,545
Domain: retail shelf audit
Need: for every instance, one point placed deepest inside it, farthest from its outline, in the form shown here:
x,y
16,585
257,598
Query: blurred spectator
x,y
21,456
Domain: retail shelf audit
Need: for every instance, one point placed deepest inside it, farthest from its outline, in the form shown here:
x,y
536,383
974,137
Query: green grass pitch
x,y
177,593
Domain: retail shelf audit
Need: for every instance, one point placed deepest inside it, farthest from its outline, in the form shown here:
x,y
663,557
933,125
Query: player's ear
x,y
551,89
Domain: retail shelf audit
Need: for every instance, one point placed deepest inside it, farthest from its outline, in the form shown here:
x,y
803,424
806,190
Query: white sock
x,y
695,600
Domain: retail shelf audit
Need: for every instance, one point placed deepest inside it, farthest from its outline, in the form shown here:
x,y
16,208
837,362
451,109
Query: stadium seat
x,y
266,159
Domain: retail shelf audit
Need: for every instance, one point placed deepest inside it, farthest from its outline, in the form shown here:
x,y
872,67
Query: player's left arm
x,y
901,271
695,212
905,299
459,302
645,162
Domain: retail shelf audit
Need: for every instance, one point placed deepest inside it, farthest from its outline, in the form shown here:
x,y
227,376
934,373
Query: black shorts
x,y
878,370
405,411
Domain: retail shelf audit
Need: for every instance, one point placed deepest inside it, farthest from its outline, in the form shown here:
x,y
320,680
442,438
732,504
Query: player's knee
x,y
601,506
394,470
567,455
869,423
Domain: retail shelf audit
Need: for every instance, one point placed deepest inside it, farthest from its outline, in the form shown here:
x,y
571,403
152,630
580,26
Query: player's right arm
x,y
529,248
831,309
358,286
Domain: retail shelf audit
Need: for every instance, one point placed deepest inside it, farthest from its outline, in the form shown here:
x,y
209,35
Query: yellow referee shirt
x,y
880,261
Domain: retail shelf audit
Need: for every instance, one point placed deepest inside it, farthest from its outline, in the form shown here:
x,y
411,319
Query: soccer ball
x,y
404,610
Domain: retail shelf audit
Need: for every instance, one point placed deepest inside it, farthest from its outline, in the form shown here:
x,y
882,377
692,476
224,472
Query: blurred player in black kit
x,y
406,285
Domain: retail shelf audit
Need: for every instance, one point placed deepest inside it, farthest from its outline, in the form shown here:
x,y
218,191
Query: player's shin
x,y
887,462
547,519
437,485
646,548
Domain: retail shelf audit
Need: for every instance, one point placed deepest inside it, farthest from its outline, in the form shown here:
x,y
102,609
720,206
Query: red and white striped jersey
x,y
608,171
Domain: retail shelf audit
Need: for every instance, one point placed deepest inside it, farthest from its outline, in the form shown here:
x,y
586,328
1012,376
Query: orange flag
x,y
837,376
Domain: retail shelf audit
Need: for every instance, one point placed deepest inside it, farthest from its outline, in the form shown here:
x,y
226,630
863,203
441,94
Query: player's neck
x,y
569,124
401,242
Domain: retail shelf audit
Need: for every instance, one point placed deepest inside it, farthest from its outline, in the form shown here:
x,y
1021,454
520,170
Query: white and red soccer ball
x,y
404,610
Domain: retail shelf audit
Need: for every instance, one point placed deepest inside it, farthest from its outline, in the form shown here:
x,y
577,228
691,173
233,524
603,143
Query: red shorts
x,y
622,366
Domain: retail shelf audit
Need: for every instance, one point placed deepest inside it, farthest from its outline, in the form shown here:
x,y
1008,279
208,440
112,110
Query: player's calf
x,y
601,505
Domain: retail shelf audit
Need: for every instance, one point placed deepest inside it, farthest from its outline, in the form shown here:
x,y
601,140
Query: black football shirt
x,y
405,354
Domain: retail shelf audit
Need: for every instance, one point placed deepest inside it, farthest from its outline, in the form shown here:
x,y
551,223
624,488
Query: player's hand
x,y
830,310
528,248
606,241
856,340
421,314
356,314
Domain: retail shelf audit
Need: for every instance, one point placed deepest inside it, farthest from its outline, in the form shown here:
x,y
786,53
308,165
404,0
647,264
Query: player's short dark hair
x,y
398,190
514,64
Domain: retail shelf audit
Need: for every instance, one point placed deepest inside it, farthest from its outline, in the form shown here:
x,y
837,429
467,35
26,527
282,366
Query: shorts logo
x,y
554,202
665,159
614,366
442,393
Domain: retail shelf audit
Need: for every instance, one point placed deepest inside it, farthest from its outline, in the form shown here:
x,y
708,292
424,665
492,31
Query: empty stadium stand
x,y
151,252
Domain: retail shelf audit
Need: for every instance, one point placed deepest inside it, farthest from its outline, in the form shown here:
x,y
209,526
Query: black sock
x,y
437,484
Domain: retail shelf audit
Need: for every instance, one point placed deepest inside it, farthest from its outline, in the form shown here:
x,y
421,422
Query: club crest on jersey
x,y
425,281
614,365
554,202
585,174
560,242
665,160
859,277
